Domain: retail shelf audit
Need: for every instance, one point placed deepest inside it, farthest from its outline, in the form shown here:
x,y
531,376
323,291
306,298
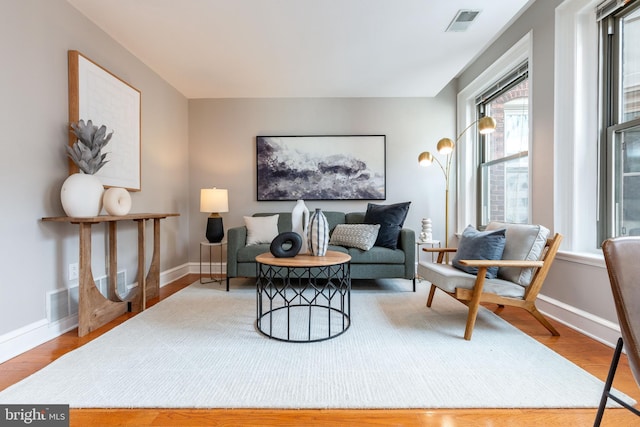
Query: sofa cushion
x,y
261,229
523,242
391,219
354,218
479,245
361,236
338,249
377,255
284,222
334,218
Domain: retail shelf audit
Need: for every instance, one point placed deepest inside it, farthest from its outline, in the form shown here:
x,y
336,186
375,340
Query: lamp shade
x,y
445,146
214,200
486,125
425,158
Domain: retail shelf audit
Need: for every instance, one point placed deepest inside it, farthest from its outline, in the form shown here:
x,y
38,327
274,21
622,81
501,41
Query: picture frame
x,y
98,95
321,167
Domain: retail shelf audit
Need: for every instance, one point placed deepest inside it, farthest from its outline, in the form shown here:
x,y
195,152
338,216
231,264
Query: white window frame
x,y
576,166
467,148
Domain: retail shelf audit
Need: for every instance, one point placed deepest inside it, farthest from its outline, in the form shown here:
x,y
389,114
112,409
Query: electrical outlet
x,y
73,271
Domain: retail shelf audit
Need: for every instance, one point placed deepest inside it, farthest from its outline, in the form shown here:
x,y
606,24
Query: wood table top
x,y
109,218
331,258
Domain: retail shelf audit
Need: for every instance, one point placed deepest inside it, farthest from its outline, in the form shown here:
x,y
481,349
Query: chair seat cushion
x,y
448,278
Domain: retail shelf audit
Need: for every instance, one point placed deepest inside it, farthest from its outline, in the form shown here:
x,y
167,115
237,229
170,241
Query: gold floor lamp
x,y
446,147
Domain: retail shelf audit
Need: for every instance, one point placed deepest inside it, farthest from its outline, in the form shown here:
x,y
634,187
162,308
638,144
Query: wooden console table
x,y
94,310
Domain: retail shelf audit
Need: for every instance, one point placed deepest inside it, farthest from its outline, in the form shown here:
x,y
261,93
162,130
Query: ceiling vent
x,y
462,20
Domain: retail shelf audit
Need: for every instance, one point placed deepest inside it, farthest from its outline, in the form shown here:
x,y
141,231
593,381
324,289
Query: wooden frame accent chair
x,y
621,255
523,267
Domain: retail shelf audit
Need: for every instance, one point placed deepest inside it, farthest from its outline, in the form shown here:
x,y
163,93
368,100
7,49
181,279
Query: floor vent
x,y
57,305
73,300
121,280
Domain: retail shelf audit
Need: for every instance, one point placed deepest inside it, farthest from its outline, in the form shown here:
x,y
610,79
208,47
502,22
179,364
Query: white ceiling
x,y
301,48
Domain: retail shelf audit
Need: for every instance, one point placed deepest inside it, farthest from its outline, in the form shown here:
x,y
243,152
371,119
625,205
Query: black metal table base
x,y
303,304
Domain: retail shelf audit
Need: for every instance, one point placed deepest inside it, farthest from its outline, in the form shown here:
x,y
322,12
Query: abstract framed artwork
x,y
97,95
324,167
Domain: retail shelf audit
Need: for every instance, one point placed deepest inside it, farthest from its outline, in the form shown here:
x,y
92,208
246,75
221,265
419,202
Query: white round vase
x,y
81,195
116,201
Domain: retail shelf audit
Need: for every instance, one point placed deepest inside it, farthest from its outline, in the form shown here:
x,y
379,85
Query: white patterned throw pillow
x,y
361,236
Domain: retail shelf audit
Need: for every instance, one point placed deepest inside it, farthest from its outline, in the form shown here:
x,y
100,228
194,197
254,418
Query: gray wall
x,y
222,134
580,284
34,38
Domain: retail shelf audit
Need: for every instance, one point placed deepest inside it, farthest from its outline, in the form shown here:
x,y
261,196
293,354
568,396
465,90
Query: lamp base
x,y
215,230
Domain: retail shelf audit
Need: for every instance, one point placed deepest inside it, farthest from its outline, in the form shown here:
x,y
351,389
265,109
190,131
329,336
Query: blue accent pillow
x,y
476,244
391,219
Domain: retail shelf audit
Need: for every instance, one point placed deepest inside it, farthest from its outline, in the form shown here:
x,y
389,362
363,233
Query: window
x,y
620,119
504,154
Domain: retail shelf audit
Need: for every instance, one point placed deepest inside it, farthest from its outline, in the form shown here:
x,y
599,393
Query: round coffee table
x,y
304,298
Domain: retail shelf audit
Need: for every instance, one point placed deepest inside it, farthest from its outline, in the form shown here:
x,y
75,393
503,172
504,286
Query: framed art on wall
x,y
325,167
97,95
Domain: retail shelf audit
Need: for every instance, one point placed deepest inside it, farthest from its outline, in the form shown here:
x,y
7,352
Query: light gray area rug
x,y
200,349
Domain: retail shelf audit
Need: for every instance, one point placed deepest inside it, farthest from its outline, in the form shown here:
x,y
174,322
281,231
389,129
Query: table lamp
x,y
214,200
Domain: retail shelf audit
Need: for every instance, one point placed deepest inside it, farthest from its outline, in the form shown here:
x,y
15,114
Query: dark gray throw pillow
x,y
391,219
476,244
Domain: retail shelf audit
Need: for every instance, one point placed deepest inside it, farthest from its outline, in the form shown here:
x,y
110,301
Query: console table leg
x,y
94,310
148,283
139,303
153,276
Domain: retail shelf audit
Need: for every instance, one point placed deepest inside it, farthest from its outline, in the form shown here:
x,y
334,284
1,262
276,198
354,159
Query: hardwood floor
x,y
583,351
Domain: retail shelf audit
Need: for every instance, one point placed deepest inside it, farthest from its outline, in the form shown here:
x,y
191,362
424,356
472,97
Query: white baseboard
x,y
213,268
23,339
173,274
20,340
595,327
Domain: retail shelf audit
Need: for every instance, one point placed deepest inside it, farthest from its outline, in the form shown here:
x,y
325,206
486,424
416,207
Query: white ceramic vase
x,y
300,223
81,195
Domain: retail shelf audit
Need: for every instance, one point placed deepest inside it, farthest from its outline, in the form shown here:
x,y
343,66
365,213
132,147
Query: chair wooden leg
x,y
432,292
474,304
471,320
543,320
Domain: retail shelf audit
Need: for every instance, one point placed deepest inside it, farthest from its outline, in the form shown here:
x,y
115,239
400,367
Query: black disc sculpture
x,y
286,245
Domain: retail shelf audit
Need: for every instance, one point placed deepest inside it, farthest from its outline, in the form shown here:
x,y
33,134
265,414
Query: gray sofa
x,y
376,263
